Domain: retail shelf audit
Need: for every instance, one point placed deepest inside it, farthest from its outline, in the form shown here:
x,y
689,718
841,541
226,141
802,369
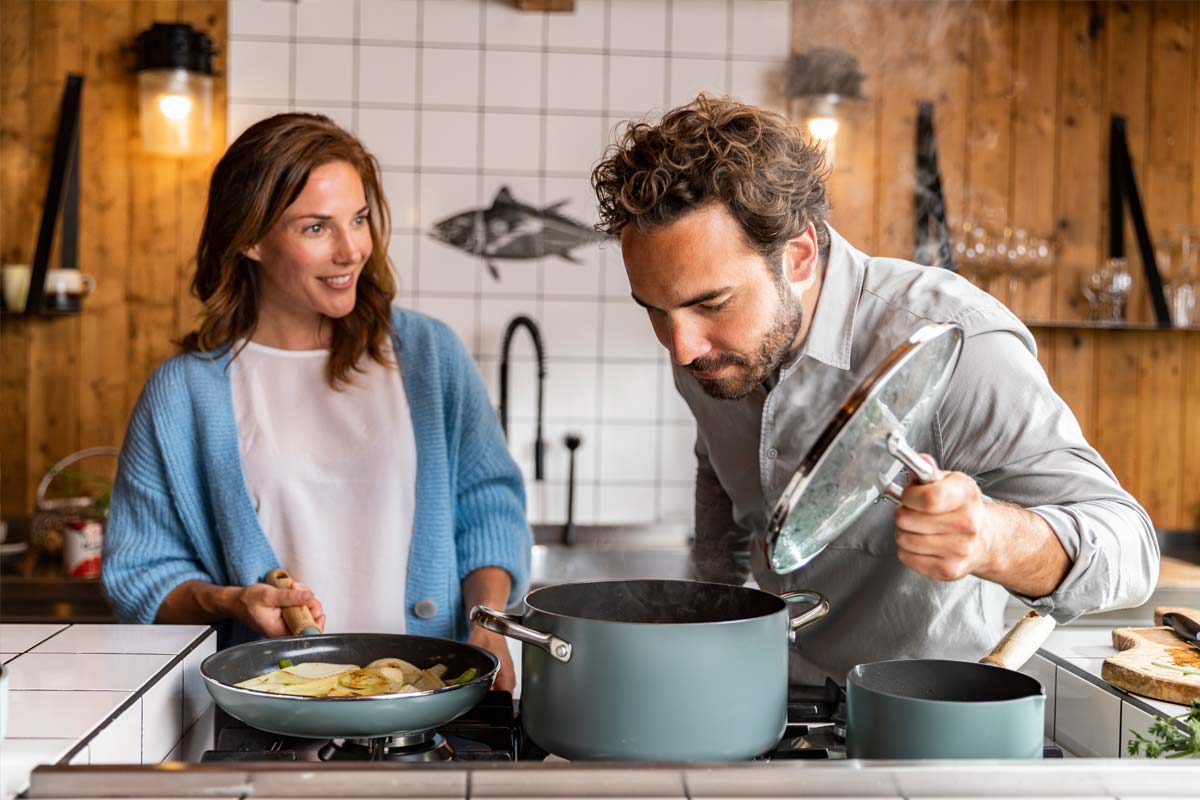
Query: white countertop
x,y
1085,648
70,684
73,690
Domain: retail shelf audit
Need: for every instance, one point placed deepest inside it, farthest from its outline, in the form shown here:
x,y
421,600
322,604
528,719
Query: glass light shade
x,y
176,111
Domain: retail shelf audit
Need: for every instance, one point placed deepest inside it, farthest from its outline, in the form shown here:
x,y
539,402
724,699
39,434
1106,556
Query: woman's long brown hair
x,y
261,174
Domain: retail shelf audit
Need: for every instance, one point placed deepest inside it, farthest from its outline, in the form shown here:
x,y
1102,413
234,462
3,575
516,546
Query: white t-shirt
x,y
333,477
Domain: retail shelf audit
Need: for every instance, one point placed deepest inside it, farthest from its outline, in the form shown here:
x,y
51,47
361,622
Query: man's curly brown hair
x,y
762,168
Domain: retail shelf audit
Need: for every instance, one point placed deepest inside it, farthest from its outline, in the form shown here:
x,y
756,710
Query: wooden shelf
x,y
1099,326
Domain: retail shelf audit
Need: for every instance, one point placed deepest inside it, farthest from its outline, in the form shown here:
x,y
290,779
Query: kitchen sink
x,y
610,552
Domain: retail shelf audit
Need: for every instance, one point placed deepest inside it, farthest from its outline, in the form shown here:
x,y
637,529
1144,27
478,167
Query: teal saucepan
x,y
928,708
345,717
654,670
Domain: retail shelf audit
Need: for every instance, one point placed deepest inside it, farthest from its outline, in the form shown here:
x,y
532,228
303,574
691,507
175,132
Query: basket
x,y
50,514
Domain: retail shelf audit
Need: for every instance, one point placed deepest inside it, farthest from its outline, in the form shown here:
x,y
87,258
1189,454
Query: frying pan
x,y
344,717
931,708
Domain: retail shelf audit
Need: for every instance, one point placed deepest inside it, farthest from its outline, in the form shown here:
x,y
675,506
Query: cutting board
x,y
1133,668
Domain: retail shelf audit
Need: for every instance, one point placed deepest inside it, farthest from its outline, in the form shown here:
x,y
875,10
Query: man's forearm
x,y
1027,558
486,586
196,602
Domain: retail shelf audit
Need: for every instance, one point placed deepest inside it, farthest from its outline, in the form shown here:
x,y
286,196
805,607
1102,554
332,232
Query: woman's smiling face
x,y
310,260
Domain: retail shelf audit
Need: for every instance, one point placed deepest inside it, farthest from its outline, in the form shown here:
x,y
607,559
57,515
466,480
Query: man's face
x,y
720,310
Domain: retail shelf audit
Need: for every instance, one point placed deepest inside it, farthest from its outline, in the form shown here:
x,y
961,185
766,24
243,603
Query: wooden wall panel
x,y
1056,71
70,382
1034,139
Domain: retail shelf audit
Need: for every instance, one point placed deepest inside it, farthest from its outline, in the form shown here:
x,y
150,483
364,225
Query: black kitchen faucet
x,y
539,446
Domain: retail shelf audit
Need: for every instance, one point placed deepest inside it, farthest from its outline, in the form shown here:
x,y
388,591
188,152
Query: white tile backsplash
x,y
570,327
387,74
512,142
390,134
388,19
630,391
450,139
259,70
324,72
574,81
259,18
636,83
325,19
700,27
760,83
507,25
638,25
512,79
627,452
458,98
584,28
691,76
401,191
450,77
451,21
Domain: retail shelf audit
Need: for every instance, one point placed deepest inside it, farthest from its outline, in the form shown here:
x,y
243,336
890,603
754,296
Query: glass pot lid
x,y
864,447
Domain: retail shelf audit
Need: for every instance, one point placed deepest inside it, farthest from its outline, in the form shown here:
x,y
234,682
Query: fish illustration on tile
x,y
512,230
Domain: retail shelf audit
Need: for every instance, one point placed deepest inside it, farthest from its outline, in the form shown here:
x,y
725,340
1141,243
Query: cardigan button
x,y
425,608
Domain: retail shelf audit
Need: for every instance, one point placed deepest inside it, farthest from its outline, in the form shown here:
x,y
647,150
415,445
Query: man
x,y
772,319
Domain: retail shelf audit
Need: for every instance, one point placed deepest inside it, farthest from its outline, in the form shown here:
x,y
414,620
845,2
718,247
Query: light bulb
x,y
823,128
175,106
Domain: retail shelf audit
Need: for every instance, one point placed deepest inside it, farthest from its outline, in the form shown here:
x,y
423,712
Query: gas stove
x,y
491,731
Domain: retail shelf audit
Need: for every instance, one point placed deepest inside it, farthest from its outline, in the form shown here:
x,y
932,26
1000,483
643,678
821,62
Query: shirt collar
x,y
831,334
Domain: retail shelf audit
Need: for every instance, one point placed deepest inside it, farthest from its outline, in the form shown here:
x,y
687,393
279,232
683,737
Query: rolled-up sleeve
x,y
1002,423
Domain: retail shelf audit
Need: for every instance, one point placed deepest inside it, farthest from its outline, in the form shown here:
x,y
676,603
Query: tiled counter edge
x,y
1088,716
100,694
159,714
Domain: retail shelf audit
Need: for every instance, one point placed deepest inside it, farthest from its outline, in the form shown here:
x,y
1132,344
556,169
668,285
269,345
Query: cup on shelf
x,y
16,285
65,289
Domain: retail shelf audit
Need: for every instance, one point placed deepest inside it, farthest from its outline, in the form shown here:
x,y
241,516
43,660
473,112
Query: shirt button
x,y
772,453
425,609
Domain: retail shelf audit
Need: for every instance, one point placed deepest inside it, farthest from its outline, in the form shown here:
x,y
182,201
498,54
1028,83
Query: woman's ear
x,y
801,256
251,253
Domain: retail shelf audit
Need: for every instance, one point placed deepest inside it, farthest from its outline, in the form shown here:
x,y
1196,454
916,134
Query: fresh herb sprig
x,y
1168,739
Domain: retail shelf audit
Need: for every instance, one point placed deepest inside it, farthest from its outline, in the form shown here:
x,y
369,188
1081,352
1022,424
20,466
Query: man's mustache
x,y
714,363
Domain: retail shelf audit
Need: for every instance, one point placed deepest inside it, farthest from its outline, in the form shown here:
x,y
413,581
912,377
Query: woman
x,y
310,424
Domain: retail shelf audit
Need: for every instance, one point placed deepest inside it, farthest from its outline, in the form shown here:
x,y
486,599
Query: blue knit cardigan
x,y
180,507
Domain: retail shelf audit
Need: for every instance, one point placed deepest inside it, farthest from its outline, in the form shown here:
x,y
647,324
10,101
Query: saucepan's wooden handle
x,y
1020,643
299,619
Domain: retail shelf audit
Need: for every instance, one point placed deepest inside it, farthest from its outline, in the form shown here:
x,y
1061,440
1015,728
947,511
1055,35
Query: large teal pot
x,y
654,670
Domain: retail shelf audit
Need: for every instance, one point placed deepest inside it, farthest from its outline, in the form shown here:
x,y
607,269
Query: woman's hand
x,y
260,607
497,645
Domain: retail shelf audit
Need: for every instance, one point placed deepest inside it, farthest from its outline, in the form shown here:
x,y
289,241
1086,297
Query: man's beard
x,y
745,375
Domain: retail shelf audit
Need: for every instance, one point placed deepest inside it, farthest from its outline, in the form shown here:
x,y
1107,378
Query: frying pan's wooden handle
x,y
298,619
1020,643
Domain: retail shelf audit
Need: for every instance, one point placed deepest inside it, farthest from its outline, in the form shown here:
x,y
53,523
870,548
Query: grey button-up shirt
x,y
1000,422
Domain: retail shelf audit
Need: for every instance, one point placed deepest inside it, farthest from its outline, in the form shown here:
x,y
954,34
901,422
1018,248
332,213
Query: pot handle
x,y
1020,643
820,608
299,619
510,625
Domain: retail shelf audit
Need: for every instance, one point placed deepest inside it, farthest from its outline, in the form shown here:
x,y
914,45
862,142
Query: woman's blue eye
x,y
316,227
359,220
